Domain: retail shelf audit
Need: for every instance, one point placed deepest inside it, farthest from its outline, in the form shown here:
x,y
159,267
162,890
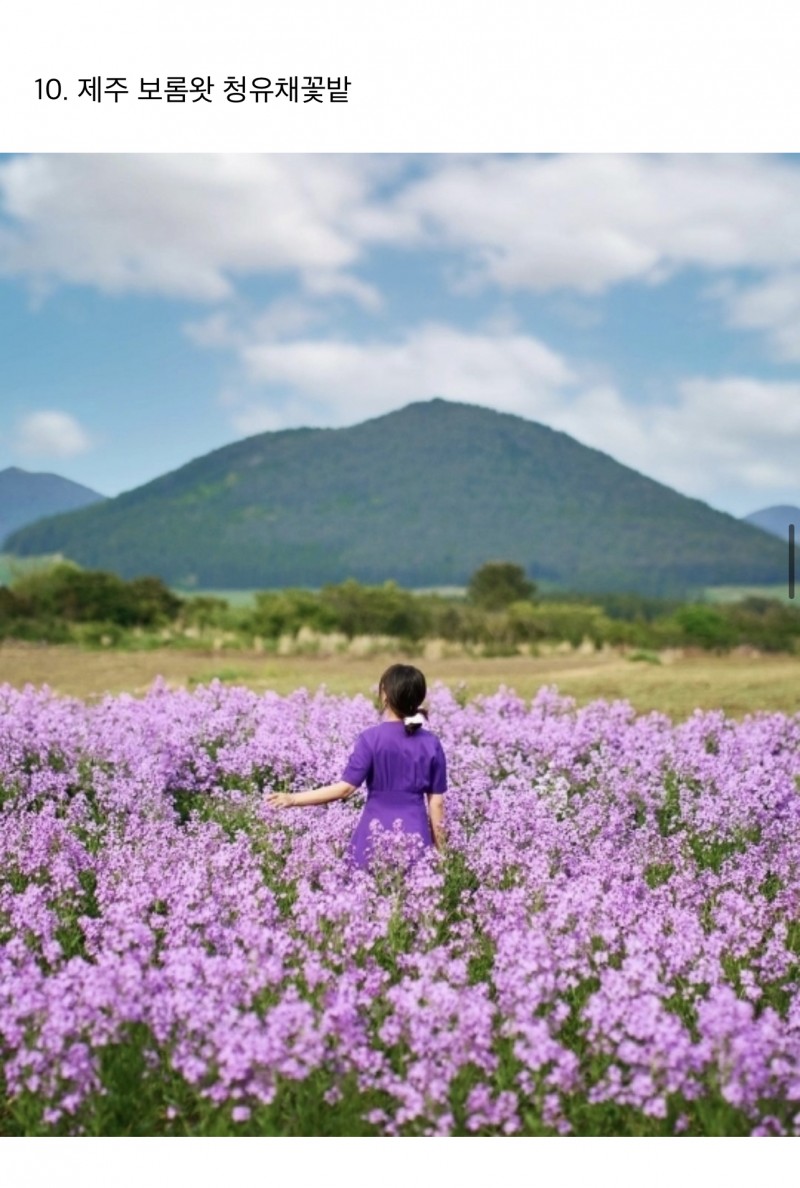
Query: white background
x,y
426,75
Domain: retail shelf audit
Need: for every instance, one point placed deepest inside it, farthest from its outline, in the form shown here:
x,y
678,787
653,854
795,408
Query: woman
x,y
402,763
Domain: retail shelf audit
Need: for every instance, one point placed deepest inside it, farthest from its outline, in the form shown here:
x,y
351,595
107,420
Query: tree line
x,y
500,610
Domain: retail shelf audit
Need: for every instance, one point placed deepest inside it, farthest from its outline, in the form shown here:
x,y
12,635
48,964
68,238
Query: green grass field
x,y
737,593
238,598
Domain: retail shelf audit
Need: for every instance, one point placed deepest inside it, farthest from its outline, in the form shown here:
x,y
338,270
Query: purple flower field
x,y
609,946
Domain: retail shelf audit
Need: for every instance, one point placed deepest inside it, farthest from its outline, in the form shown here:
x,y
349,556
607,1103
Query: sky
x,y
156,307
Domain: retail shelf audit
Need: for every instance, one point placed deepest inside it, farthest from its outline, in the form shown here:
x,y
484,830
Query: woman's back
x,y
400,770
390,760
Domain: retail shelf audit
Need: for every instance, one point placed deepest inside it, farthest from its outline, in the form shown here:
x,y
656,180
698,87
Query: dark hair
x,y
405,689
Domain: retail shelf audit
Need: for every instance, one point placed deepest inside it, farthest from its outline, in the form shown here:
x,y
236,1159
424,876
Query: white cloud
x,y
190,225
329,284
249,416
588,222
284,317
183,225
730,441
772,306
50,434
351,380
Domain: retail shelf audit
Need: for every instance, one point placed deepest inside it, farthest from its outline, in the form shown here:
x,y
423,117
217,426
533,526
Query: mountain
x,y
776,520
422,496
26,497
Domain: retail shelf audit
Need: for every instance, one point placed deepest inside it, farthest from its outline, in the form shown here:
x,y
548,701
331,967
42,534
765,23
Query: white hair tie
x,y
414,720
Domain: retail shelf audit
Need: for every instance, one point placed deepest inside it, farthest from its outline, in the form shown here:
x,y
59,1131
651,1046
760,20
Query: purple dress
x,y
399,769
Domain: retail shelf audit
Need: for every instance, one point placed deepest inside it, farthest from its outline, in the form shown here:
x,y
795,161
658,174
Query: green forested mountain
x,y
422,496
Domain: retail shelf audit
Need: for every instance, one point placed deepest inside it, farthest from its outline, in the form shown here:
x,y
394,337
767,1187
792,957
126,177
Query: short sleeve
x,y
438,781
359,765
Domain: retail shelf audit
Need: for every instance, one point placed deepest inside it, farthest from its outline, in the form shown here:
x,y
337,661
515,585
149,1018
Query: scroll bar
x,y
791,560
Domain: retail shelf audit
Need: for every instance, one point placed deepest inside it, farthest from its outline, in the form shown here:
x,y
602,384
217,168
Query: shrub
x,y
284,612
705,626
499,583
91,596
375,610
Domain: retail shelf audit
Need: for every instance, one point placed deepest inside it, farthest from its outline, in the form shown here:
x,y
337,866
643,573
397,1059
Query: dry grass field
x,y
736,683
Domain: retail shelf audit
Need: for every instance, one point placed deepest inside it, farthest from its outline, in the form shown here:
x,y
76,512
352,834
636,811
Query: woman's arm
x,y
338,791
436,814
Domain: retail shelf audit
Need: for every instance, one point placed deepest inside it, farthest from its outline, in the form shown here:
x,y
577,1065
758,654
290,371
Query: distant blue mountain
x,y
26,497
776,520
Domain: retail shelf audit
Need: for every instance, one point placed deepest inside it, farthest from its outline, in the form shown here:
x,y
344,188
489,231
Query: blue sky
x,y
155,307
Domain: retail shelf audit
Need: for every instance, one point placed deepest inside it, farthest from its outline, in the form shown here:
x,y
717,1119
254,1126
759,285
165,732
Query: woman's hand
x,y
313,796
280,800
